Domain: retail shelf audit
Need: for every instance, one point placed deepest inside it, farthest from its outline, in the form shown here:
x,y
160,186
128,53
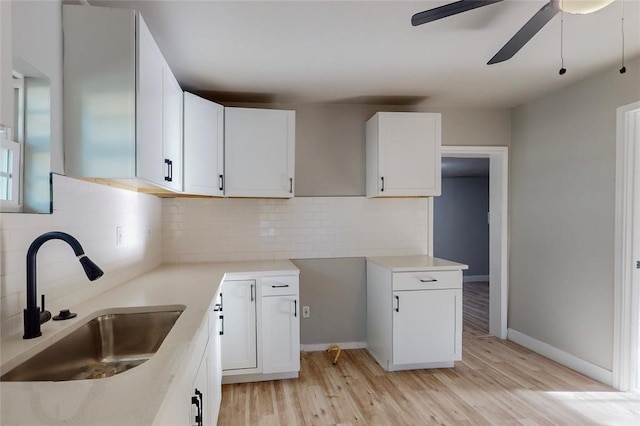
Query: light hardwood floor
x,y
496,383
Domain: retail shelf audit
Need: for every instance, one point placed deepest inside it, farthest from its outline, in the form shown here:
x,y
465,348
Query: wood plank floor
x,y
475,302
496,383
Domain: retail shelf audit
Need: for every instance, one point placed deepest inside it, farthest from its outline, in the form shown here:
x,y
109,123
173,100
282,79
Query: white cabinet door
x,y
199,405
172,129
214,363
259,152
403,154
203,146
239,344
426,326
280,334
149,108
99,91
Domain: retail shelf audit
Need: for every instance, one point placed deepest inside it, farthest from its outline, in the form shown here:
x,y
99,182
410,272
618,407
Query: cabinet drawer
x,y
427,280
275,286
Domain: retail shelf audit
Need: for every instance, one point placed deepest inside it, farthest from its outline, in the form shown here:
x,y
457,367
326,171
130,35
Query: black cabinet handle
x,y
397,303
197,401
382,187
290,185
280,286
431,280
252,294
221,182
222,326
169,176
295,308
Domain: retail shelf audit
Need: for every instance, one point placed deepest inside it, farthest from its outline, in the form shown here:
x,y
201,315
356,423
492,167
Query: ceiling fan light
x,y
582,7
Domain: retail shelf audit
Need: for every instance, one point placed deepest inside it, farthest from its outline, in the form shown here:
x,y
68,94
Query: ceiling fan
x,y
524,34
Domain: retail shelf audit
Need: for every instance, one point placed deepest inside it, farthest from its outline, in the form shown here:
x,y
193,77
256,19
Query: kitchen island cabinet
x,y
417,301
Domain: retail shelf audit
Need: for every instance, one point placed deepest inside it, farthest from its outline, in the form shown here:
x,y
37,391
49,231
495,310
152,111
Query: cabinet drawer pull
x,y
221,317
280,286
428,280
295,308
252,292
382,187
397,303
221,182
290,185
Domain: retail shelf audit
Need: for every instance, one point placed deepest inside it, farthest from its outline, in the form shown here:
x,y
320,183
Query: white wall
x,y
6,86
90,212
562,214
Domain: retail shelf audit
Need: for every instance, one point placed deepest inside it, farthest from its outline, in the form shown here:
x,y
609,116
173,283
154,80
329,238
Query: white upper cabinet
x,y
259,153
149,75
172,145
403,154
203,146
122,104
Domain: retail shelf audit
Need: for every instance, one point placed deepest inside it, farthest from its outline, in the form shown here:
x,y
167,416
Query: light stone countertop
x,y
417,263
136,396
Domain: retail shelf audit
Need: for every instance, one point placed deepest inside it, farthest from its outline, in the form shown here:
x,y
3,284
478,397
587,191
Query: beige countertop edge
x,y
137,395
416,263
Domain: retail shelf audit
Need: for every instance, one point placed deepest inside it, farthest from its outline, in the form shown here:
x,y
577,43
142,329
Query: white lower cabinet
x,y
261,339
414,319
280,328
239,338
206,389
425,323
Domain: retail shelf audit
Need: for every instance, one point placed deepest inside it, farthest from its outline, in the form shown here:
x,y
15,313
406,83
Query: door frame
x,y
498,235
626,292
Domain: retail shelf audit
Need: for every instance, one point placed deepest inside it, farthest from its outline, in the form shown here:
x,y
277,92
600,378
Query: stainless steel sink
x,y
103,347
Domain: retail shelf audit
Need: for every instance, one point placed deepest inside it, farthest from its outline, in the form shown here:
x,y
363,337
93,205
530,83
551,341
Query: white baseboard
x,y
315,347
573,362
475,278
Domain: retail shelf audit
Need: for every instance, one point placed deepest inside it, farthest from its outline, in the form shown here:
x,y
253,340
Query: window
x,y
10,153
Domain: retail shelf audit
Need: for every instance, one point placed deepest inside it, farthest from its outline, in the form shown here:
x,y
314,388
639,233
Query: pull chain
x,y
623,69
563,70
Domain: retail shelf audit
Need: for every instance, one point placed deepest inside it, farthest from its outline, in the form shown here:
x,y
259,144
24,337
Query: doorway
x,y
626,351
498,202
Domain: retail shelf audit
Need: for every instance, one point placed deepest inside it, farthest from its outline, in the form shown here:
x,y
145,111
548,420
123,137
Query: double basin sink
x,y
108,344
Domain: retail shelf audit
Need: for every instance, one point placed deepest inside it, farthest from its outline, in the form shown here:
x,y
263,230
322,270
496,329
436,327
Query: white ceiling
x,y
336,51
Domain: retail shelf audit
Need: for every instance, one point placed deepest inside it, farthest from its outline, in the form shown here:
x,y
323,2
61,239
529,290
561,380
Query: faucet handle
x,y
44,314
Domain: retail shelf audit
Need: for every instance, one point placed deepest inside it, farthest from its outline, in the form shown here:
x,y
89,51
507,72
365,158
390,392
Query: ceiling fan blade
x,y
527,32
448,10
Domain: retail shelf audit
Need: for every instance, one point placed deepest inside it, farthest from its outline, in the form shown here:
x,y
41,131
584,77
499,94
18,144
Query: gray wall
x,y
335,291
562,214
460,228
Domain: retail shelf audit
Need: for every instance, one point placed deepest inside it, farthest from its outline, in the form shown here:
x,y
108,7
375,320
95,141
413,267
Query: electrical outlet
x,y
306,313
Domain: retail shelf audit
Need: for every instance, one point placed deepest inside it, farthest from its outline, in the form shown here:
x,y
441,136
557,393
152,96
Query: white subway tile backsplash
x,y
90,212
307,227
